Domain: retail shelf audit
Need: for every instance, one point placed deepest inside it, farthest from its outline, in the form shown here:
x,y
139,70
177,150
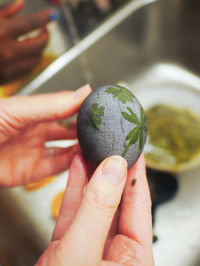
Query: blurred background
x,y
152,47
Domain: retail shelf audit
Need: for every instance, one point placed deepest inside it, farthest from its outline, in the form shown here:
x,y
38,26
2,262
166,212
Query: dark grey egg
x,y
111,121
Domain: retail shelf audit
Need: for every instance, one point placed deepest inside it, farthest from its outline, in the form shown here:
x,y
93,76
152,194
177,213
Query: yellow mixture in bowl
x,y
173,135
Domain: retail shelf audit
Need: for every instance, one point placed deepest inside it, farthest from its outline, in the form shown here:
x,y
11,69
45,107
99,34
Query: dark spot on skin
x,y
134,182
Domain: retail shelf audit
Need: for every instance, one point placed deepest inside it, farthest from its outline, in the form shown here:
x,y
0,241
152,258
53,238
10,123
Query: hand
x,y
26,123
104,5
92,228
18,57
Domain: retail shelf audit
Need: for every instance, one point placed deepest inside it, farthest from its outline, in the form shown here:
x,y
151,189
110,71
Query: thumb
x,y
89,230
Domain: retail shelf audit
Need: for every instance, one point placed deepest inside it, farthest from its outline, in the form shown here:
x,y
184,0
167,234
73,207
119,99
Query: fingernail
x,y
82,93
53,16
114,169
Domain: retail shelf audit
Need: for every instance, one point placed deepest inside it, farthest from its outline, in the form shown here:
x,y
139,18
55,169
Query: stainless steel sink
x,y
147,44
143,34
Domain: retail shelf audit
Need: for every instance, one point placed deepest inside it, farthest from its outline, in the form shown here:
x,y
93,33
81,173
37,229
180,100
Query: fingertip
x,y
120,159
82,92
46,16
77,172
141,159
44,30
44,35
113,169
11,9
78,161
82,163
53,16
115,163
19,4
139,165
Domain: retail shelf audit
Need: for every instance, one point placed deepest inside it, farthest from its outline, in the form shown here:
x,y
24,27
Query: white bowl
x,y
169,85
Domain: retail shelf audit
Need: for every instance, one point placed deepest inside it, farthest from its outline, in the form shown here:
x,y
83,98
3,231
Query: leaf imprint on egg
x,y
95,115
123,94
137,133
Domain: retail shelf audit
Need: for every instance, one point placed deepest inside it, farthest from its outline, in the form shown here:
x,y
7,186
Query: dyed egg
x,y
111,121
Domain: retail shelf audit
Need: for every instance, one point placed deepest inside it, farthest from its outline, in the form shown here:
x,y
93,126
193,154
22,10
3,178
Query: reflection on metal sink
x,y
145,36
142,34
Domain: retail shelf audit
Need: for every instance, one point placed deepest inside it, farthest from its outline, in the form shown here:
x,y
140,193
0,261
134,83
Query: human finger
x,y
104,5
33,46
72,197
21,25
135,221
55,151
29,48
22,111
134,242
112,232
11,71
55,131
96,212
52,165
11,9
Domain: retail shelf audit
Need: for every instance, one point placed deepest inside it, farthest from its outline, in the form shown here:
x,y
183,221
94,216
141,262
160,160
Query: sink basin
x,y
143,34
147,44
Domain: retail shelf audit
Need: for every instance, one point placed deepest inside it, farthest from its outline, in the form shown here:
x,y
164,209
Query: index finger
x,y
135,220
11,9
45,107
22,111
72,197
20,25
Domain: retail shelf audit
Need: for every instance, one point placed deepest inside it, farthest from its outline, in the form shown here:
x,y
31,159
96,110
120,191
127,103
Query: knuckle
x,y
102,201
124,248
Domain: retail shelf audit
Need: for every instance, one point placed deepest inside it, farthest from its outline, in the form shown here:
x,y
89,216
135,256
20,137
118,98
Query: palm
x,y
24,158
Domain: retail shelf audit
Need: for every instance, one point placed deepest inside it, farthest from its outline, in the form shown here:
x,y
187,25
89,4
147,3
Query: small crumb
x,y
134,182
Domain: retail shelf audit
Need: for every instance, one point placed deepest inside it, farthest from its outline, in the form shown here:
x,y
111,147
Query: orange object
x,y
39,184
56,204
10,88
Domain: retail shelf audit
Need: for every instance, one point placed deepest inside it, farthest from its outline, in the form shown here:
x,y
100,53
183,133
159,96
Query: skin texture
x,y
18,57
109,224
26,123
124,235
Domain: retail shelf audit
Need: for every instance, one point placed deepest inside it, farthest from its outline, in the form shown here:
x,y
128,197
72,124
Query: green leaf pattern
x,y
138,131
96,114
123,94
